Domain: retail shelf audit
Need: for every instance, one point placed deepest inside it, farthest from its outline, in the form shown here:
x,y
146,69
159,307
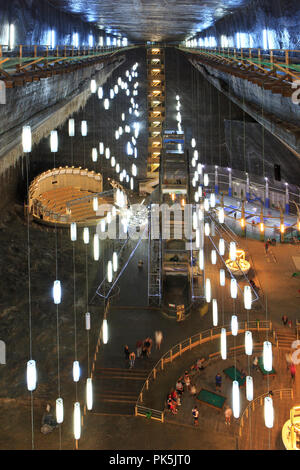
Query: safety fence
x,y
187,345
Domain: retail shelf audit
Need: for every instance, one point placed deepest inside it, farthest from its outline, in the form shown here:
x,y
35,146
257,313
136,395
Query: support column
x,y
287,199
230,182
247,187
216,180
267,198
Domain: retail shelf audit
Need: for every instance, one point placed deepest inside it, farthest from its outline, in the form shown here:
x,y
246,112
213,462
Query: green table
x,y
263,371
211,399
234,374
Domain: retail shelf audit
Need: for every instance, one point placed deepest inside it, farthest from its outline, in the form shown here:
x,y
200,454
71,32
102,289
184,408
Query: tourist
x,y
290,324
158,339
195,414
132,359
293,371
193,391
266,247
289,360
218,381
187,379
144,352
179,386
255,363
284,319
228,414
199,364
139,346
126,352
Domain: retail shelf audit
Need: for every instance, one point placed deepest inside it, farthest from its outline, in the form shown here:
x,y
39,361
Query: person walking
x,y
195,414
228,414
266,247
187,380
179,386
158,339
293,371
193,391
284,319
139,345
218,382
131,359
255,363
126,352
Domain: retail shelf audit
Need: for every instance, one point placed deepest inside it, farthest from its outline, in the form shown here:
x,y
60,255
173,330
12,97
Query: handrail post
x,y
162,364
287,58
35,51
259,54
20,51
0,50
190,343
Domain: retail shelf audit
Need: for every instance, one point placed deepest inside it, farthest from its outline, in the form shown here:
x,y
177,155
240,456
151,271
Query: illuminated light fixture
x,y
120,130
77,421
127,129
196,176
233,288
268,412
119,81
223,344
267,356
76,371
248,343
208,290
200,191
249,388
95,203
196,197
201,259
118,168
102,225
93,86
215,312
115,262
221,215
96,247
235,399
57,292
213,257
83,128
94,154
200,168
59,410
232,251
206,204
87,321
113,161
193,162
71,127
282,228
261,227
206,179
134,170
222,246
222,277
212,199
116,89
234,325
86,235
73,231
195,220
111,94
193,183
100,92
107,153
11,36
196,155
106,103
104,331
197,238
130,110
101,148
177,98
31,375
109,271
54,141
117,135
193,143
131,184
206,229
247,297
178,117
89,394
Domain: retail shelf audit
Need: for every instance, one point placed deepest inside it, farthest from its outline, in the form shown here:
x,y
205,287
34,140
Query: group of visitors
x,y
286,321
143,348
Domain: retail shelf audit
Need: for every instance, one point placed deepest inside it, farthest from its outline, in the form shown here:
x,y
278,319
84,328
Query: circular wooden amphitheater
x,y
61,196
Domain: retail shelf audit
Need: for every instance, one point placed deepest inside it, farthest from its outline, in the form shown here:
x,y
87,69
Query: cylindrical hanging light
x,y
221,215
113,162
87,321
115,262
235,399
106,104
196,155
89,394
248,343
232,251
222,277
109,271
247,297
96,247
57,292
95,203
26,139
206,229
206,204
201,259
234,325
233,288
107,153
86,235
101,148
212,199
104,331
71,127
249,388
54,141
213,256
193,142
77,420
208,290
73,231
267,356
215,312
31,375
83,128
223,344
59,410
100,92
206,179
76,371
222,246
93,86
94,154
268,412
